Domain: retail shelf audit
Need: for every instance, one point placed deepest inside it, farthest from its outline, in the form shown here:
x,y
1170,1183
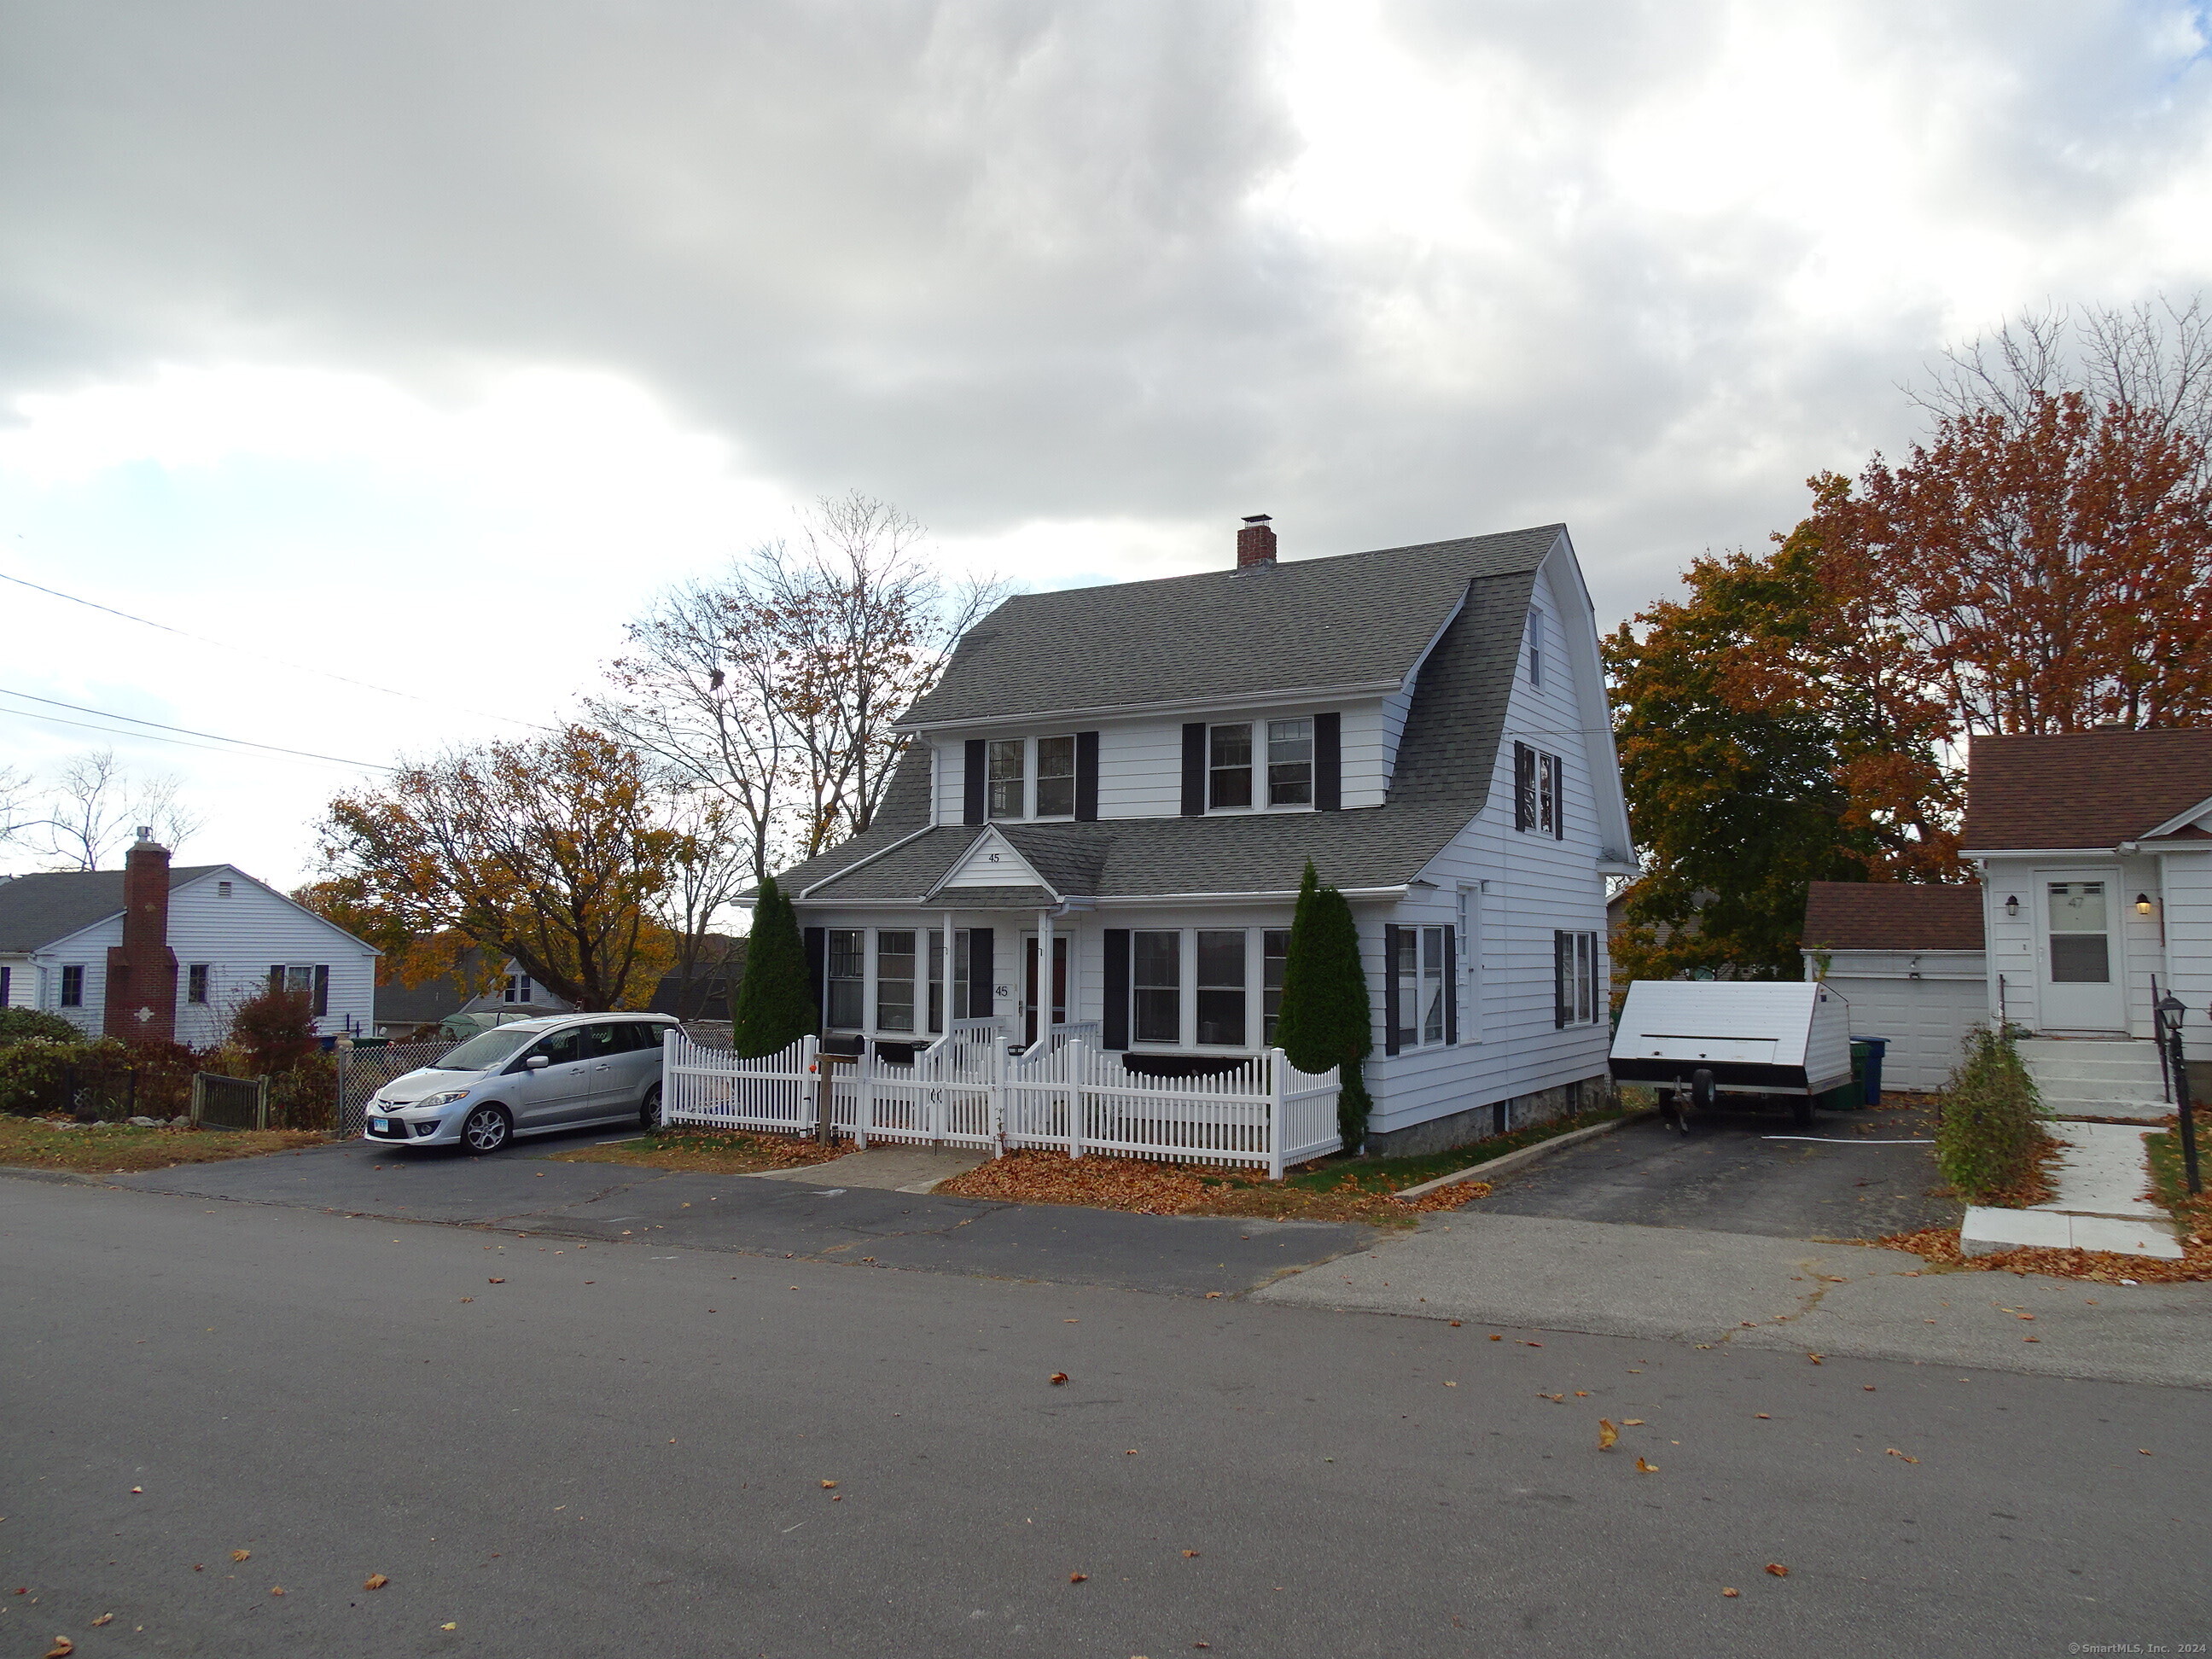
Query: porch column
x,y
946,946
1044,976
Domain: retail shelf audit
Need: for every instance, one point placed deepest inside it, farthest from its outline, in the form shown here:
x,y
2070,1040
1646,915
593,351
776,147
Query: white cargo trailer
x,y
1694,1040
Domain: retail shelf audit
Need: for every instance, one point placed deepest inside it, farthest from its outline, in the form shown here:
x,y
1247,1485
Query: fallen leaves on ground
x,y
120,1148
1077,1577
1146,1188
62,1649
104,1618
1642,1468
1893,1452
1607,1434
705,1151
1057,1378
1777,1569
241,1555
1939,1247
375,1581
1731,1592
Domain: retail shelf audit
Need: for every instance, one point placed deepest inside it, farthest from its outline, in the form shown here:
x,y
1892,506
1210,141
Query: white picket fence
x,y
967,1091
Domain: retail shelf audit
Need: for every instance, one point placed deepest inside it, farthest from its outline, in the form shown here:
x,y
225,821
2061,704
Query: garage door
x,y
1924,1019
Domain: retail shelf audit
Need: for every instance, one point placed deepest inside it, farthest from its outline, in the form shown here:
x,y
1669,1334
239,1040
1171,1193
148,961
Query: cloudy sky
x,y
418,344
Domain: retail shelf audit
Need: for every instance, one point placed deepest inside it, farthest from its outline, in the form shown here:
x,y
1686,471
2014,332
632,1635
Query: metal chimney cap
x,y
1259,518
145,832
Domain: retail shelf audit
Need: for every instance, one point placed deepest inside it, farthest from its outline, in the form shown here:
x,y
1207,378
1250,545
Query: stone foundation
x,y
1441,1134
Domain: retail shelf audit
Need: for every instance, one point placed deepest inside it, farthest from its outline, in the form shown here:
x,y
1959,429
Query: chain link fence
x,y
362,1072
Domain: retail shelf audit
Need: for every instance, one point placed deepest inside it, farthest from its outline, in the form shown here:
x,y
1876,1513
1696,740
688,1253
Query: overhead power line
x,y
217,737
302,668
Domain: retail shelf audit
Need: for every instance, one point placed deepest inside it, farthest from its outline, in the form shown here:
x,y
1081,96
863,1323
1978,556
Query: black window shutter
x,y
1451,985
1086,777
971,783
1563,978
1558,796
1115,1029
1389,989
1524,786
1193,769
980,972
322,989
1329,763
817,970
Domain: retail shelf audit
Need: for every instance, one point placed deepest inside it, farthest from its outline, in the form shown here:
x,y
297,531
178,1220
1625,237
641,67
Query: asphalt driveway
x,y
523,1190
1748,1171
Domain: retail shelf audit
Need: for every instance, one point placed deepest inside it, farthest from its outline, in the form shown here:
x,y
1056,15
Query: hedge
x,y
1987,1136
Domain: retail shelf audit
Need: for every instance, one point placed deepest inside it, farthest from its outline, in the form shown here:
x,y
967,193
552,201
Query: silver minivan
x,y
534,1077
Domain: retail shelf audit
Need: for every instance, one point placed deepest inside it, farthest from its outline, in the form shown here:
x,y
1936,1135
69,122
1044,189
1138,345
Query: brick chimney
x,y
141,972
1255,542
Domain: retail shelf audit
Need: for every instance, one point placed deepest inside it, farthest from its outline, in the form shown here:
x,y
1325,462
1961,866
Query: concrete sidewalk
x,y
1545,1273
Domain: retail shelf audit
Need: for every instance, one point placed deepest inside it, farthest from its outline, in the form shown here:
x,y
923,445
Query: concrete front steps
x,y
2101,1179
2091,1077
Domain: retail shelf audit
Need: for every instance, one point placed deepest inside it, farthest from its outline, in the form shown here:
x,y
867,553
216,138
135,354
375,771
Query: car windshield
x,y
483,1052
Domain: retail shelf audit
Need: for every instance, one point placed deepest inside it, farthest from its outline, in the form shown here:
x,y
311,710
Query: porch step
x,y
2119,1077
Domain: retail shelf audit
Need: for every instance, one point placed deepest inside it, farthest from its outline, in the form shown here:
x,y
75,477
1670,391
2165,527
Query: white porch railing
x,y
966,1090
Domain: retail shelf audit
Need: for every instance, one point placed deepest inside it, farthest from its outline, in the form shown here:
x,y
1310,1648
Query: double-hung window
x,y
1229,766
1055,777
516,988
1274,954
1539,792
1290,762
848,973
1418,966
72,987
895,966
312,980
1574,979
1008,776
196,983
1221,987
1155,977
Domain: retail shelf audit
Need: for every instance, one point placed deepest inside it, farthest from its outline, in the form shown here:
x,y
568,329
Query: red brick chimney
x,y
1255,542
141,972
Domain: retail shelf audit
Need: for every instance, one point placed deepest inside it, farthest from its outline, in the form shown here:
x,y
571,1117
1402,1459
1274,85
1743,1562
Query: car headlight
x,y
445,1099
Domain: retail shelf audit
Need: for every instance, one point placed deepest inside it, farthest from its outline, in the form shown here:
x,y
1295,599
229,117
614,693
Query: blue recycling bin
x,y
1866,1052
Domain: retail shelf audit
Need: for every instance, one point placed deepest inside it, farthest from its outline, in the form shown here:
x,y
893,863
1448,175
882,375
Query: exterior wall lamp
x,y
2142,904
2012,907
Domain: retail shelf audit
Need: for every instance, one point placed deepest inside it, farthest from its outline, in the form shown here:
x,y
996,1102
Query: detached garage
x,y
1909,958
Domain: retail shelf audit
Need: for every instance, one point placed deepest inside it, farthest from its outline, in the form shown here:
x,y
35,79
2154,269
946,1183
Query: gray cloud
x,y
1001,261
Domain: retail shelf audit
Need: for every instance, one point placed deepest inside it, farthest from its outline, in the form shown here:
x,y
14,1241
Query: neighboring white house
x,y
226,936
1908,959
1126,782
2094,852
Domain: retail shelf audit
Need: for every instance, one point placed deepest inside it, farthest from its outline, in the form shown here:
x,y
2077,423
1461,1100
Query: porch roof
x,y
992,898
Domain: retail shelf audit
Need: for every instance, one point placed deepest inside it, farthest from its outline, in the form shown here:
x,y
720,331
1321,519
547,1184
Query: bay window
x,y
1275,955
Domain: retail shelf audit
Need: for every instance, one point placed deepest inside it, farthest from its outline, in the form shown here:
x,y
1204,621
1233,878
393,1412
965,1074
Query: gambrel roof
x,y
1362,621
1356,621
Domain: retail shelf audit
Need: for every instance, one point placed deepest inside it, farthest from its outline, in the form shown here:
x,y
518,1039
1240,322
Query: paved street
x,y
622,1447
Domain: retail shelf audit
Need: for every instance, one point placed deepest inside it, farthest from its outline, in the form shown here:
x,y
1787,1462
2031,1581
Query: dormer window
x,y
1009,777
1230,763
1290,762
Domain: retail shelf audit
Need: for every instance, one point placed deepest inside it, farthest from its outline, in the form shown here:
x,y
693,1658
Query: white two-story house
x,y
1108,801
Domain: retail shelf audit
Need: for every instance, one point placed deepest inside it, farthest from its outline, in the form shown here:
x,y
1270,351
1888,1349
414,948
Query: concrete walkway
x,y
2101,1179
1545,1273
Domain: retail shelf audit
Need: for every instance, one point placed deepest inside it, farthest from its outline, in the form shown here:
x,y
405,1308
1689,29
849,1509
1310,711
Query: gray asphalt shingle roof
x,y
36,910
1446,758
1355,619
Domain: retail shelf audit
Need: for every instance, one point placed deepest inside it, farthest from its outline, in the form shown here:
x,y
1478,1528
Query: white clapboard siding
x,y
240,937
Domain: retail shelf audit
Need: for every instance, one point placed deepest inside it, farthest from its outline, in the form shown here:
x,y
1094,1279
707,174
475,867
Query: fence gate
x,y
362,1072
229,1102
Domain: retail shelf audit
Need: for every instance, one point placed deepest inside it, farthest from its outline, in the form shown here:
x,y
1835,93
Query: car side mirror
x,y
539,1062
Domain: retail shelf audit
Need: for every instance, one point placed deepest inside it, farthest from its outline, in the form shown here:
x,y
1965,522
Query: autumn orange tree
x,y
550,852
2042,564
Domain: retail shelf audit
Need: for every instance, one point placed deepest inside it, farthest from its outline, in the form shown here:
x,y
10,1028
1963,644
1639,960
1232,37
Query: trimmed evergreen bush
x,y
775,998
1986,1139
1325,1018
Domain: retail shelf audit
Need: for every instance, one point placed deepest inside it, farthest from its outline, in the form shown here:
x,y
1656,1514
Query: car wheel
x,y
486,1129
648,1113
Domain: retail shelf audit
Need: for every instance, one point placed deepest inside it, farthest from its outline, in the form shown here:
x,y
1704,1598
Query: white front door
x,y
2079,973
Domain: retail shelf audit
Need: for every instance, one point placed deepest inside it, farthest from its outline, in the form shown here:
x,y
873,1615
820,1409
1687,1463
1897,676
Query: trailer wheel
x,y
1702,1092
